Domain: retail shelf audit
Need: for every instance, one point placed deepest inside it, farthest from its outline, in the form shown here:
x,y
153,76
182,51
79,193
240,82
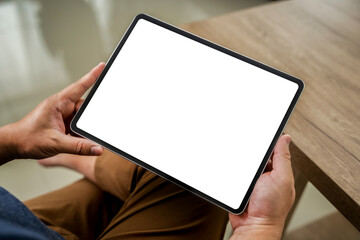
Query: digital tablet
x,y
195,113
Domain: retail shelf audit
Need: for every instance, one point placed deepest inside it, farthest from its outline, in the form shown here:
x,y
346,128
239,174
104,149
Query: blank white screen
x,y
195,113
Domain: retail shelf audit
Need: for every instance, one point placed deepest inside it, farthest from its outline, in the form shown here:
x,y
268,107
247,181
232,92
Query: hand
x,y
44,132
81,164
271,200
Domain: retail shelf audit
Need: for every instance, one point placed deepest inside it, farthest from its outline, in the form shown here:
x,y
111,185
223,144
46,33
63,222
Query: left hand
x,y
44,132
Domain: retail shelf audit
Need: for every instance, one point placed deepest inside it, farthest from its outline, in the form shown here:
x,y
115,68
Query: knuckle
x,y
53,98
79,147
44,104
287,155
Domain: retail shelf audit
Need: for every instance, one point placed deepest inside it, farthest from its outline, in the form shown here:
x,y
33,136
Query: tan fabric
x,y
128,202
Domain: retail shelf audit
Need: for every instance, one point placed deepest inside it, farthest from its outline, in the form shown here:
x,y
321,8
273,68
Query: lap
x,y
159,209
78,211
146,206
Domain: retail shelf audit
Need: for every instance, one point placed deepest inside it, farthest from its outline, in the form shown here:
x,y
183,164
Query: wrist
x,y
9,148
270,230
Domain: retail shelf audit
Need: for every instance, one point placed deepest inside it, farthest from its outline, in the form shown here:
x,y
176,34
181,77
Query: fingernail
x,y
288,139
96,150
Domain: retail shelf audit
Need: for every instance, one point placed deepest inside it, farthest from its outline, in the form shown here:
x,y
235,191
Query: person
x,y
118,199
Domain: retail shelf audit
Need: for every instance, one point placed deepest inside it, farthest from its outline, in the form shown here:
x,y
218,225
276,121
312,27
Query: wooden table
x,y
317,41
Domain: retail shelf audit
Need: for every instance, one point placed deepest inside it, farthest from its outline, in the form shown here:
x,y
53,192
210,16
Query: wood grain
x,y
319,42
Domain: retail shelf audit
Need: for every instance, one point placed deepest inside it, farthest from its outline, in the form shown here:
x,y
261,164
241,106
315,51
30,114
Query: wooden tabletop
x,y
317,41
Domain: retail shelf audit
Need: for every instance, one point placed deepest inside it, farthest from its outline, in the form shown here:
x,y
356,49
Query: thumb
x,y
281,157
79,146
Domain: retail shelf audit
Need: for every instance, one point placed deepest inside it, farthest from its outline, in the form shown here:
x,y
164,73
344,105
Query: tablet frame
x,y
224,50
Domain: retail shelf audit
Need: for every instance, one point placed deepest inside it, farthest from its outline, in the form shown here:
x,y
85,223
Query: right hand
x,y
272,198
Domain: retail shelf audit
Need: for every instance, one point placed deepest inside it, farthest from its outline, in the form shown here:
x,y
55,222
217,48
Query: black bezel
x,y
243,204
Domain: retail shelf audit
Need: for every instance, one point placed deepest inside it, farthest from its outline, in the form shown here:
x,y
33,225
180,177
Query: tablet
x,y
197,114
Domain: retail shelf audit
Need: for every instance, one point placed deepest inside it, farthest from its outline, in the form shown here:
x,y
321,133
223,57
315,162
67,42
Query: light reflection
x,y
69,28
25,65
46,44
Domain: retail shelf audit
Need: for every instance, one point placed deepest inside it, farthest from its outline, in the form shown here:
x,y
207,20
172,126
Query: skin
x,y
271,201
44,134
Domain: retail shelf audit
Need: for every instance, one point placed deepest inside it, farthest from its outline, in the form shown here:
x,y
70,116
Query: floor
x,y
47,44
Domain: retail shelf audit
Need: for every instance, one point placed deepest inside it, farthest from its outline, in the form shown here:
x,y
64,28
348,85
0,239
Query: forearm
x,y
8,146
258,233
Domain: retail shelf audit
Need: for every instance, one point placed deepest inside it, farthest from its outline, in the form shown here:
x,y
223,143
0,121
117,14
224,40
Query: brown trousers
x,y
128,202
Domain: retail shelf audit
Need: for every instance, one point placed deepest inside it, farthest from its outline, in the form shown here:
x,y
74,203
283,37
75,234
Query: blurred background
x,y
47,44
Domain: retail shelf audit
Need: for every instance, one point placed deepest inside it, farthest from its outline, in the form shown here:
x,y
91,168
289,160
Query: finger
x,y
76,90
62,159
281,159
79,146
51,161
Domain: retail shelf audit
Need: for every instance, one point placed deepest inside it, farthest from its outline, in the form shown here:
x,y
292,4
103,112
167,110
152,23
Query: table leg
x,y
300,181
